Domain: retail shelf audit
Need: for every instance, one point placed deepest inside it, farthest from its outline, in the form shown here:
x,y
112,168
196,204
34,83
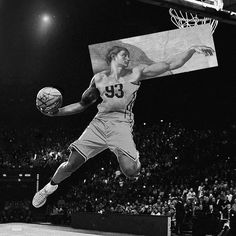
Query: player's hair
x,y
113,52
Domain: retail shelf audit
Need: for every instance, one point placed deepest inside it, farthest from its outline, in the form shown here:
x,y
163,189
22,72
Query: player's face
x,y
122,58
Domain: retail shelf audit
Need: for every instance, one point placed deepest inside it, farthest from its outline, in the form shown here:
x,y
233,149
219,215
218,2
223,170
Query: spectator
x,y
180,214
232,220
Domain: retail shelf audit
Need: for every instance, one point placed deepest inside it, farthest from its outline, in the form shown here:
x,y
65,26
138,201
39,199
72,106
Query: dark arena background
x,y
185,125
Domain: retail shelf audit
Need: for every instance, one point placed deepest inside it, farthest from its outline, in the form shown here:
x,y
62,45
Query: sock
x,y
50,188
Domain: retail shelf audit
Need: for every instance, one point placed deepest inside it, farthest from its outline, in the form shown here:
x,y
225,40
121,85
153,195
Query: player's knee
x,y
131,173
132,170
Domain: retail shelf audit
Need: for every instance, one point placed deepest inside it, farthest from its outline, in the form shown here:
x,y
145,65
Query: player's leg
x,y
63,171
129,165
90,143
122,144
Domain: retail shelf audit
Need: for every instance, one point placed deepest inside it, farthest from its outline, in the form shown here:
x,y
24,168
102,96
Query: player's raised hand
x,y
202,49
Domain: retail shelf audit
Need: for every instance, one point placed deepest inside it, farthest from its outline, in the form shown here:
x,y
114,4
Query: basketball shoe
x,y
40,197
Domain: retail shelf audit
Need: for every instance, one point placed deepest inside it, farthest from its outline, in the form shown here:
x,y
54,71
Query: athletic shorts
x,y
102,134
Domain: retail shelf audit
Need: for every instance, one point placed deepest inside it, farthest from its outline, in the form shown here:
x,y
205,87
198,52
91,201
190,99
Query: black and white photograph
x,y
117,118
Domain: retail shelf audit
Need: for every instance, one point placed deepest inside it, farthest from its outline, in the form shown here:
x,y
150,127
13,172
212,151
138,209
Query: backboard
x,y
226,13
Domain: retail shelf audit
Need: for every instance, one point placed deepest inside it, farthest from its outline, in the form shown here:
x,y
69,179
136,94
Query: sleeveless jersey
x,y
118,98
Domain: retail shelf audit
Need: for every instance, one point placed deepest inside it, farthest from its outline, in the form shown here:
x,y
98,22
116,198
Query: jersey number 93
x,y
114,90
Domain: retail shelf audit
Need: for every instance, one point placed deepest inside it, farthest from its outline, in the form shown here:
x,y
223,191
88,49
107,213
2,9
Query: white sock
x,y
51,188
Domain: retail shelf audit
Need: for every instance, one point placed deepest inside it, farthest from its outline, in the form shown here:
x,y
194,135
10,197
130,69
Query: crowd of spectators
x,y
187,174
16,211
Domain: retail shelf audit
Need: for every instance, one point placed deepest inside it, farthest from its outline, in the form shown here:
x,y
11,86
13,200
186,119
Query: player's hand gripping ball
x,y
48,100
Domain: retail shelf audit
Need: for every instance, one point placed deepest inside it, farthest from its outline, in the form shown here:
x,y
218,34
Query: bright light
x,y
45,24
46,18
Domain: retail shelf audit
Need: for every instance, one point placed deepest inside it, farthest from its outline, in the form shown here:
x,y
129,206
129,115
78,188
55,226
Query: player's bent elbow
x,y
166,66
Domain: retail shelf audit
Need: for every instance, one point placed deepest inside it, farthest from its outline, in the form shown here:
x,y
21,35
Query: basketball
x,y
48,99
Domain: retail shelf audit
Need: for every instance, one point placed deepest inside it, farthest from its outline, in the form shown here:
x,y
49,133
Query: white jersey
x,y
118,97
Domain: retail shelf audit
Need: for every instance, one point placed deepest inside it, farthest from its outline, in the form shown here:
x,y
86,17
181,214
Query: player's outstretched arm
x,y
180,59
159,68
89,96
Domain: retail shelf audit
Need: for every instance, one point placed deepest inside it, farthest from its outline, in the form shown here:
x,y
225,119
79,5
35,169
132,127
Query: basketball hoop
x,y
184,19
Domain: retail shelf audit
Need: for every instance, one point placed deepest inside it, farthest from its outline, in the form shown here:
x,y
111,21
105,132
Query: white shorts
x,y
102,134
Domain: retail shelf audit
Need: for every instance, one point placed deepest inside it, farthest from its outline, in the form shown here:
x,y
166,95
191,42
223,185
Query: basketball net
x,y
184,19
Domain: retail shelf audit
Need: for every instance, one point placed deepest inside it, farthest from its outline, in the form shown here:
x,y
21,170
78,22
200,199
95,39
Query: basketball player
x,y
112,125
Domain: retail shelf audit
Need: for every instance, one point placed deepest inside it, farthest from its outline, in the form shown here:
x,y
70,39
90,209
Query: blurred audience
x,y
187,174
16,211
